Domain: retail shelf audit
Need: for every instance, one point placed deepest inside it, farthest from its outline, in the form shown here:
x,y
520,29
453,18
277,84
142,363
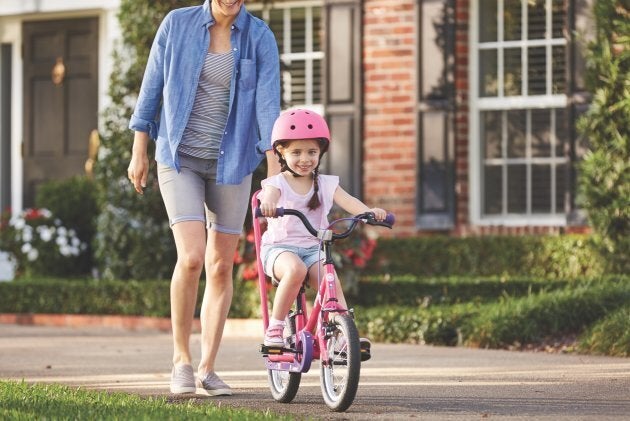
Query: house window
x,y
297,27
436,59
519,115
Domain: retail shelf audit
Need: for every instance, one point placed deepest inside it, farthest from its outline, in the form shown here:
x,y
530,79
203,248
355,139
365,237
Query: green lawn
x,y
22,401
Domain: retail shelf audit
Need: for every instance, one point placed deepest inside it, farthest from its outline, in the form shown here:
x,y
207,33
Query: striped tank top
x,y
204,130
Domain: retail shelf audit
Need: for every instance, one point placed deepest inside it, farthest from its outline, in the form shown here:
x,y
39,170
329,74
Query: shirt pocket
x,y
247,77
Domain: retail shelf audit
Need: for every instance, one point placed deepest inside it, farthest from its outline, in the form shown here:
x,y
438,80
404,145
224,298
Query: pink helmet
x,y
300,124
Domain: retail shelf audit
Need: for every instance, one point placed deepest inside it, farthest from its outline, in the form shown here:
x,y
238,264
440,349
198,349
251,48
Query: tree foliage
x,y
604,183
133,239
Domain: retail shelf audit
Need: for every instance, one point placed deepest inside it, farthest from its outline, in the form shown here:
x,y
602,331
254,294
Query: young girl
x,y
290,254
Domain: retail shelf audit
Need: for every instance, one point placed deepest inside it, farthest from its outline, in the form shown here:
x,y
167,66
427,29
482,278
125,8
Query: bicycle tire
x,y
284,385
341,366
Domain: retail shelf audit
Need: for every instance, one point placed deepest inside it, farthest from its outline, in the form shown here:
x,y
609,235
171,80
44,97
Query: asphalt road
x,y
399,382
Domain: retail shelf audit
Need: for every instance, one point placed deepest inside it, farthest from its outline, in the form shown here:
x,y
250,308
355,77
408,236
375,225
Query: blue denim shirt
x,y
170,83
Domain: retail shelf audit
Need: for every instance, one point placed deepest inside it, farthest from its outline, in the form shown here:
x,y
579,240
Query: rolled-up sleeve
x,y
146,111
267,89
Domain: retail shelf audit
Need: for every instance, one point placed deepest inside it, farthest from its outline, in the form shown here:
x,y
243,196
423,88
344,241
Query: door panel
x,y
59,112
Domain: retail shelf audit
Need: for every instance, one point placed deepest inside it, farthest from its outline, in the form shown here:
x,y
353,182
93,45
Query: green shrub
x,y
134,240
564,257
604,177
409,290
533,318
609,336
74,202
91,296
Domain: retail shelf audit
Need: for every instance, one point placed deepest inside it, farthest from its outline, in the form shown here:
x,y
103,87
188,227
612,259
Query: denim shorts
x,y
270,252
194,195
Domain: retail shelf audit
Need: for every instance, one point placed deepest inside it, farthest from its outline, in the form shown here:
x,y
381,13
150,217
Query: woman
x,y
213,79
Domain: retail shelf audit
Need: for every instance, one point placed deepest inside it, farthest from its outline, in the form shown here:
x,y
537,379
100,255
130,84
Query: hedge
x,y
563,256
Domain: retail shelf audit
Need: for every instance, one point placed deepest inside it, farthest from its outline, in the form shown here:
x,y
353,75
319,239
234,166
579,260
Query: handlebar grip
x,y
279,212
388,222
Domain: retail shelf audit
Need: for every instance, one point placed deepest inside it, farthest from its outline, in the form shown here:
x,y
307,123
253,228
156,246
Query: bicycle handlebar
x,y
367,217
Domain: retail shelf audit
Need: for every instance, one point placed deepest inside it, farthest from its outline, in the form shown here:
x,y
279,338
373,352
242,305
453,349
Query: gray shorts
x,y
194,195
308,255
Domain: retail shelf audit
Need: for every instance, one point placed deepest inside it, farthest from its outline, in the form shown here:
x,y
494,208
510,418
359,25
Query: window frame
x,y
478,104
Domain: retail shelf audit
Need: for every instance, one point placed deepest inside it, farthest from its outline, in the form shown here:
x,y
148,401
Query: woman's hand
x,y
138,169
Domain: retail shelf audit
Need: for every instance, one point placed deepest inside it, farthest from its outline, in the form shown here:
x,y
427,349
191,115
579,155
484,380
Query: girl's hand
x,y
379,214
268,209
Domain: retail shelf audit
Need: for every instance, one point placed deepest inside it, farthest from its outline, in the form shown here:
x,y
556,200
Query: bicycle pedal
x,y
365,350
271,350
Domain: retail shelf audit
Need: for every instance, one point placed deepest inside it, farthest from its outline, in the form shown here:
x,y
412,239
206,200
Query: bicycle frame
x,y
310,335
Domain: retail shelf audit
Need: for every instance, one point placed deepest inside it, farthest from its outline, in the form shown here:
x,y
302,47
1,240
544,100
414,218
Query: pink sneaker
x,y
273,336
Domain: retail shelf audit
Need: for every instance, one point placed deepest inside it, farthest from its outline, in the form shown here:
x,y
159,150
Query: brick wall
x,y
389,108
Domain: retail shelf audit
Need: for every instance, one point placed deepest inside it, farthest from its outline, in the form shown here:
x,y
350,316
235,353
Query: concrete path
x,y
400,382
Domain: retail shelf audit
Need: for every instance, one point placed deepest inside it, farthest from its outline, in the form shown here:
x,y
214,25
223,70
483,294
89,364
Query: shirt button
x,y
225,133
235,49
221,152
232,26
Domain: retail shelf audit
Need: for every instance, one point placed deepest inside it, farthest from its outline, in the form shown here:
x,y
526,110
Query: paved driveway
x,y
400,382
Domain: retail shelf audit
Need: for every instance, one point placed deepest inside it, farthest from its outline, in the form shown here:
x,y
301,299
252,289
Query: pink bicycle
x,y
328,333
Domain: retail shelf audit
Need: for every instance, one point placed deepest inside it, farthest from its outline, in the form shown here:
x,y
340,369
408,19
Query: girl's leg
x,y
217,295
190,242
291,272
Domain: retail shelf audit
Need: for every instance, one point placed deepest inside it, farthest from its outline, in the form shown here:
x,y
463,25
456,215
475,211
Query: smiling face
x,y
226,8
302,156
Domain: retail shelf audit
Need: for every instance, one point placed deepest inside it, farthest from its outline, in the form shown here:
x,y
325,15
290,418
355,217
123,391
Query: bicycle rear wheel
x,y
341,364
285,384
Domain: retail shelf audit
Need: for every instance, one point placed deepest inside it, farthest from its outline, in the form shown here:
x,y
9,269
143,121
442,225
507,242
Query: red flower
x,y
250,273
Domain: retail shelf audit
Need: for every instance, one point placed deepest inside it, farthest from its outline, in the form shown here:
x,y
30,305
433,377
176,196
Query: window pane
x,y
512,20
558,69
513,73
541,188
297,82
562,175
276,24
491,133
537,75
536,20
558,9
541,126
317,29
317,81
517,188
434,49
516,133
562,133
434,171
298,30
492,189
488,73
487,20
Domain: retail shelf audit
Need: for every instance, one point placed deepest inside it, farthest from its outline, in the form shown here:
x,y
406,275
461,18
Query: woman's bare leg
x,y
190,240
217,296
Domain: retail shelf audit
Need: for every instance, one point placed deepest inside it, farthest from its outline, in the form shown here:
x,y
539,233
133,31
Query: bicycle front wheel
x,y
341,364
